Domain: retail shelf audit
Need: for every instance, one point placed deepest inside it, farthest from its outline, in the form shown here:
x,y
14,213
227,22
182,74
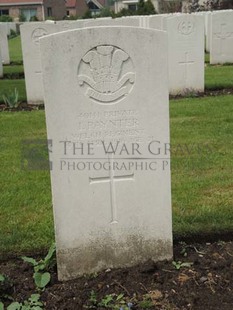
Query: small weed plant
x,y
12,99
5,287
178,265
33,303
41,275
110,301
184,251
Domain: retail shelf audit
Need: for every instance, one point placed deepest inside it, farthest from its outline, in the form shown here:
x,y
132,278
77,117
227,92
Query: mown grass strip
x,y
218,77
7,86
15,50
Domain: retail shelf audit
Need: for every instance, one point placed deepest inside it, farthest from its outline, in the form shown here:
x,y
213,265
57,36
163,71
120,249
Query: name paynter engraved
x,y
107,74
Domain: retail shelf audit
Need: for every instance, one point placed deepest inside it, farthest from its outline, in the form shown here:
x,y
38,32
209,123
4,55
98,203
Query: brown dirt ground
x,y
23,106
207,284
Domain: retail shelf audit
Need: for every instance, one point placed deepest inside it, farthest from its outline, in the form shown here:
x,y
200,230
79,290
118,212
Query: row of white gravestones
x,y
107,113
186,39
4,44
221,40
10,26
153,21
206,15
188,74
218,36
30,34
208,26
207,31
185,53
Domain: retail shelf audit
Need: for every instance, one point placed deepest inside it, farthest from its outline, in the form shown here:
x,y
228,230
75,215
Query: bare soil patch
x,y
205,284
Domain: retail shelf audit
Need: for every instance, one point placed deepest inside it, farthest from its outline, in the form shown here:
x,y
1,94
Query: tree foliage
x,y
143,8
194,6
5,18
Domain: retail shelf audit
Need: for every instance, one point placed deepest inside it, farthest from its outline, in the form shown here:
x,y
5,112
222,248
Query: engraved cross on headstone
x,y
223,35
111,179
186,63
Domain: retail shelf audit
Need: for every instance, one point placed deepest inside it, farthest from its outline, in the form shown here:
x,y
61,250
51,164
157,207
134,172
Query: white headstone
x,y
154,21
221,43
111,210
206,15
207,31
4,44
65,25
1,66
30,34
185,53
10,26
126,21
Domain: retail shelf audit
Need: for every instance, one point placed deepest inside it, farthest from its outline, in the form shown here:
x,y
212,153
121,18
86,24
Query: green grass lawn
x,y
218,77
15,50
7,86
13,69
202,189
207,58
25,208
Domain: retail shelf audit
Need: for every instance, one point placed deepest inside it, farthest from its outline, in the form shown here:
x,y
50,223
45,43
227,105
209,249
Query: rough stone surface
x,y
153,21
30,34
221,43
156,21
207,31
1,66
10,26
185,53
112,209
4,44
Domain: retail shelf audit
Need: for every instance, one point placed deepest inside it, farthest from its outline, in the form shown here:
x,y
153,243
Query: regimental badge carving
x,y
186,27
106,73
37,34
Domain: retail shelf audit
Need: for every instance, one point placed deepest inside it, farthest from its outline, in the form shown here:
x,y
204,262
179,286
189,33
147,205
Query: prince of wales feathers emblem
x,y
106,80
